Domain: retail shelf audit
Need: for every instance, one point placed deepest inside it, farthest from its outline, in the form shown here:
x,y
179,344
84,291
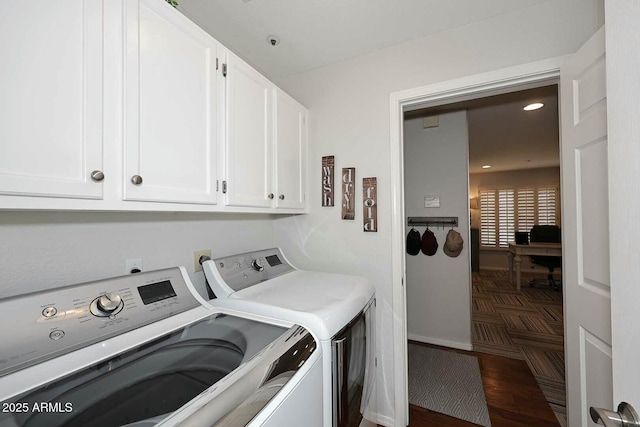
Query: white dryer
x,y
146,350
336,308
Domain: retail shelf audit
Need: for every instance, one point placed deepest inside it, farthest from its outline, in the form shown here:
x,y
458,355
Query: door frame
x,y
521,77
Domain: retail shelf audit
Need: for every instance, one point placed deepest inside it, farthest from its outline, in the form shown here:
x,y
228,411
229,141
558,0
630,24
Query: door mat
x,y
447,382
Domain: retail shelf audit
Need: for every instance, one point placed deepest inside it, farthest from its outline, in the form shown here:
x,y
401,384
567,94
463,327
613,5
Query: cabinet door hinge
x,y
224,70
224,187
216,63
217,185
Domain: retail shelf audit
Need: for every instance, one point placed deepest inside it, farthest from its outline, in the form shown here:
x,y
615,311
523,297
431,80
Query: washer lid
x,y
322,302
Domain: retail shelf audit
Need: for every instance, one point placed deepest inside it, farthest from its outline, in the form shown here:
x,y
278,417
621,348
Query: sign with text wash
x,y
328,165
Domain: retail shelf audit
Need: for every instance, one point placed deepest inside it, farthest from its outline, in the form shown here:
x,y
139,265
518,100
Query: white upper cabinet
x,y
290,144
266,143
129,105
249,136
170,149
51,130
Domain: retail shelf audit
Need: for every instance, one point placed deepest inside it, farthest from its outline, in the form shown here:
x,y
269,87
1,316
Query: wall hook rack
x,y
432,220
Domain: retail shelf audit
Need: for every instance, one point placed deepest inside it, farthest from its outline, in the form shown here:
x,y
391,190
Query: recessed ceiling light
x,y
486,166
533,106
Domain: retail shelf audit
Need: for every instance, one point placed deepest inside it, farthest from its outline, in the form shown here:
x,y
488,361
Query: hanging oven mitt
x,y
413,242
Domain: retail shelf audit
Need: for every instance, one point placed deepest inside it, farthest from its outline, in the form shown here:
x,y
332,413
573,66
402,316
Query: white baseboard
x,y
441,342
524,270
382,420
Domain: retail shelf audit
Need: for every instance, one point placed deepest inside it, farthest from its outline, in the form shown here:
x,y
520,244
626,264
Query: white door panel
x,y
290,146
585,189
51,105
249,117
171,99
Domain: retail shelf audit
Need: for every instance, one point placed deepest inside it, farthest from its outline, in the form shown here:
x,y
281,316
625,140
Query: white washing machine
x,y
146,350
336,308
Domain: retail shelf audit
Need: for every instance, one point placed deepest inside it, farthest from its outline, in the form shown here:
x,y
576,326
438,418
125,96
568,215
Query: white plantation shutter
x,y
547,197
488,217
505,210
526,213
506,217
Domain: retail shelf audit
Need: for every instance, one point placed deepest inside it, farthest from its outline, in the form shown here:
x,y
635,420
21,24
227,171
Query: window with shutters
x,y
506,217
547,205
488,218
504,211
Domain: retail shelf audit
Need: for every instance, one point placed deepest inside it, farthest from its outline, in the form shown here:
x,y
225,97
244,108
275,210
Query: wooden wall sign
x,y
348,186
328,165
370,202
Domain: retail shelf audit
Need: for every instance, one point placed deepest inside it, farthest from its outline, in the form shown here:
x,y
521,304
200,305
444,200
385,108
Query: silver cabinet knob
x,y
136,179
270,196
625,417
97,176
281,197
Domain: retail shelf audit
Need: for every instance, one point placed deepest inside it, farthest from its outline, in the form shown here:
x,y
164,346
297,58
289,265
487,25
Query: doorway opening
x,y
441,95
513,187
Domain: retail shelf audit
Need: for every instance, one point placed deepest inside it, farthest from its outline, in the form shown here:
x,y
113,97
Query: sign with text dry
x,y
348,193
370,204
328,165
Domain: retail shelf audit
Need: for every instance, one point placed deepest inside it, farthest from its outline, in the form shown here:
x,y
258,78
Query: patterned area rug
x,y
447,382
525,324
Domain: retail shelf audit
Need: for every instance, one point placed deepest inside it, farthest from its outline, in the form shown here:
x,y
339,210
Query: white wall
x,y
41,250
496,259
438,287
349,118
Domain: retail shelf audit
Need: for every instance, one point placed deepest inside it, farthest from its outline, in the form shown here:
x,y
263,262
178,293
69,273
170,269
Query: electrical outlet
x,y
196,258
133,265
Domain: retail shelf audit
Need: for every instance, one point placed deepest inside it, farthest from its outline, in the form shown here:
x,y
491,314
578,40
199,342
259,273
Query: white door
x,y
586,267
170,106
51,105
290,145
249,136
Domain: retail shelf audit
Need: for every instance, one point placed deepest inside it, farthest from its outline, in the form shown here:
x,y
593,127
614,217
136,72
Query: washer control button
x,y
56,335
49,311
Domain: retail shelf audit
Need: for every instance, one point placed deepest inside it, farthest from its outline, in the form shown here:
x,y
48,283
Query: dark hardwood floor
x,y
513,397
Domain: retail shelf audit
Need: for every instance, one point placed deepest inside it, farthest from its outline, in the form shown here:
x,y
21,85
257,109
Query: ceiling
x,y
316,33
503,135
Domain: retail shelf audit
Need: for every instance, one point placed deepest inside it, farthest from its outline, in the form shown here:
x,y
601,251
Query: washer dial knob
x,y
106,305
109,302
256,266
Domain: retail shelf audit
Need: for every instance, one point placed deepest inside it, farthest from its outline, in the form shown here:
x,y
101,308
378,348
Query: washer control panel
x,y
62,320
244,270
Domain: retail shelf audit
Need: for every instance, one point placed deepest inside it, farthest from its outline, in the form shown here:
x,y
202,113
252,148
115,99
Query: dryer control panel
x,y
61,320
247,269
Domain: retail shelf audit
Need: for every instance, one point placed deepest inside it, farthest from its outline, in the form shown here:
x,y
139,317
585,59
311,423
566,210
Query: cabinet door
x,y
51,104
170,106
249,118
290,152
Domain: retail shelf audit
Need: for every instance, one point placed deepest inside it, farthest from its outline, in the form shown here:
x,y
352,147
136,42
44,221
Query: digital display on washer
x,y
156,292
273,260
